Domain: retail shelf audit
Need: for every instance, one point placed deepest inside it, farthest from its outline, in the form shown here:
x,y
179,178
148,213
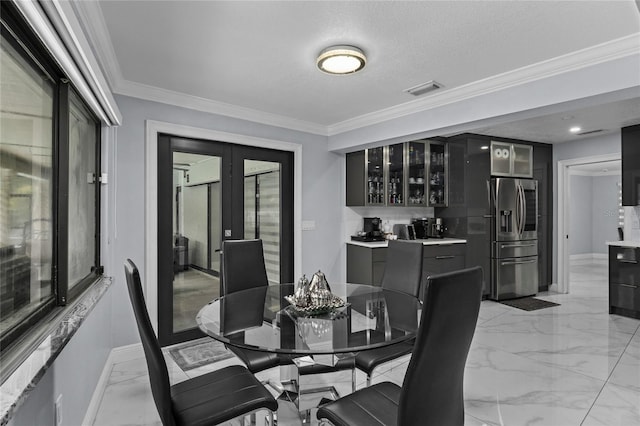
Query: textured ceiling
x,y
261,55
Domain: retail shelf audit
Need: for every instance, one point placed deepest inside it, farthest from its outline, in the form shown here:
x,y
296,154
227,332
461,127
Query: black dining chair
x,y
432,390
208,399
403,273
243,267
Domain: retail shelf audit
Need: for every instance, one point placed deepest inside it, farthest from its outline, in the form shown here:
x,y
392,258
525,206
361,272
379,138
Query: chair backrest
x,y
242,265
158,374
403,267
432,392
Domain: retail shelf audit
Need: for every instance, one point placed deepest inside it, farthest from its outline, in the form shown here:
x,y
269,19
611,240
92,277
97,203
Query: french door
x,y
210,191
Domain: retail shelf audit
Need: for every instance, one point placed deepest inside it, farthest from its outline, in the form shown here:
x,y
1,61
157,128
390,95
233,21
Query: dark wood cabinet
x,y
365,265
631,165
469,216
542,172
624,281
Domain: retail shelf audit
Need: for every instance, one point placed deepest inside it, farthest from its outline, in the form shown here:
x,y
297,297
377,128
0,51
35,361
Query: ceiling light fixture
x,y
341,60
575,129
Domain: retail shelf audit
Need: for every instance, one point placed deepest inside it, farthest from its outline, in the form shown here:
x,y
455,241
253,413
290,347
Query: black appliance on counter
x,y
371,231
421,228
428,227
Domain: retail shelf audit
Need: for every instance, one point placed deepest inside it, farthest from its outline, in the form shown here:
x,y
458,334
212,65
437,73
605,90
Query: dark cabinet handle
x,y
628,285
444,257
627,261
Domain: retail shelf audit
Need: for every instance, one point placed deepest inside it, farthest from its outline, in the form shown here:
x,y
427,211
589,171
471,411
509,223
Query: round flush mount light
x,y
341,60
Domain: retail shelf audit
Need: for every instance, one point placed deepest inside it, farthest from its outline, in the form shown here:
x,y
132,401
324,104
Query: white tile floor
x,y
573,364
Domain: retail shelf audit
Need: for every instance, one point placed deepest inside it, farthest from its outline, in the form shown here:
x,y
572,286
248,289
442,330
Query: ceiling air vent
x,y
590,132
423,88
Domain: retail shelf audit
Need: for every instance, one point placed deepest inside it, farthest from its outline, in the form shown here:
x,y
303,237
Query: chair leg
x,y
353,380
369,379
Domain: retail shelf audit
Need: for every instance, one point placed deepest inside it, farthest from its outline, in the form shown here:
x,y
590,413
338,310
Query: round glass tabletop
x,y
261,319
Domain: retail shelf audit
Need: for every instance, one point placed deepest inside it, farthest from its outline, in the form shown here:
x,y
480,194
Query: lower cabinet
x,y
365,265
624,281
441,258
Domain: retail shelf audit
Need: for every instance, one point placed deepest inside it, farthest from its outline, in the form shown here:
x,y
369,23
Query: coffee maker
x,y
371,231
436,228
373,228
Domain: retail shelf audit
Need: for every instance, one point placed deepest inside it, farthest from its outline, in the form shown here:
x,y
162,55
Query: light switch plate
x,y
308,225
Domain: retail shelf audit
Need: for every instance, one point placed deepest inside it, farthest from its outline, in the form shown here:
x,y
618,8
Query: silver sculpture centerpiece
x,y
314,296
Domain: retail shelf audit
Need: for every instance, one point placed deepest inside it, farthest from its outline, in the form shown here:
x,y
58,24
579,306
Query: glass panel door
x,y
262,211
196,235
208,192
416,173
375,176
395,177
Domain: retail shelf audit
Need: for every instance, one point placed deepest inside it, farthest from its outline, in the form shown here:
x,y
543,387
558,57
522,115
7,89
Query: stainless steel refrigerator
x,y
514,237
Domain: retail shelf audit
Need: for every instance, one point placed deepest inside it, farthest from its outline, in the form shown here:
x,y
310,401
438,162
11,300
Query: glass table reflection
x,y
261,319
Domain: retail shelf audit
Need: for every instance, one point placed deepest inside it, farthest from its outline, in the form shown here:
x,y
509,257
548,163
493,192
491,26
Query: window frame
x,y
16,31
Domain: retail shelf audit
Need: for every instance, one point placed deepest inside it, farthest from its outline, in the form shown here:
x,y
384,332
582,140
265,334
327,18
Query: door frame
x,y
152,129
563,212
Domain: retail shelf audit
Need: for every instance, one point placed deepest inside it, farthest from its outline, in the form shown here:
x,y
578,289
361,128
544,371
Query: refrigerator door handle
x,y
518,262
518,209
523,209
516,245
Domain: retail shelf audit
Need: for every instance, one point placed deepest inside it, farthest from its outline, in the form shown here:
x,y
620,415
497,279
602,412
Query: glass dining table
x,y
261,319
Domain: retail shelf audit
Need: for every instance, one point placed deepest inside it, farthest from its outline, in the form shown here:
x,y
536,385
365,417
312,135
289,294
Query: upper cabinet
x,y
510,159
406,174
417,161
438,178
395,175
631,165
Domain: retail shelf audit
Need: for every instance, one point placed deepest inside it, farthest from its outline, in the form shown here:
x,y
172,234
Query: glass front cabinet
x,y
409,174
437,176
510,159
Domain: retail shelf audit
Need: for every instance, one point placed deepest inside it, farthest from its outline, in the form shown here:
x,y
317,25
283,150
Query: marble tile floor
x,y
572,364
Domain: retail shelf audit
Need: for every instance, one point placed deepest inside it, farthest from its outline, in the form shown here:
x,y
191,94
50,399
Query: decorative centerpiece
x,y
314,297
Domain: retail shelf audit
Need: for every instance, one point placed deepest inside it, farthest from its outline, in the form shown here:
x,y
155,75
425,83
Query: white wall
x,y
322,194
580,219
593,213
604,212
597,145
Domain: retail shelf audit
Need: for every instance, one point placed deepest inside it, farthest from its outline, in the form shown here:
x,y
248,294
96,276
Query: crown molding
x,y
156,94
614,49
98,35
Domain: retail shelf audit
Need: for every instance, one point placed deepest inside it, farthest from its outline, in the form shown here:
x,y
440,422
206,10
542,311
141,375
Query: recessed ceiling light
x,y
341,60
575,129
484,147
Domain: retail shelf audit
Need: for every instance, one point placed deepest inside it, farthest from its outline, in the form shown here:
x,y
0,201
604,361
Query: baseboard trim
x,y
117,355
588,259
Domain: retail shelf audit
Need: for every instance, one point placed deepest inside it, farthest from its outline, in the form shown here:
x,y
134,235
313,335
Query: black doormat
x,y
199,352
529,303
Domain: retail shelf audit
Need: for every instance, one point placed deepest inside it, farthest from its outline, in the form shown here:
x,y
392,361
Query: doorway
x,y
583,230
210,191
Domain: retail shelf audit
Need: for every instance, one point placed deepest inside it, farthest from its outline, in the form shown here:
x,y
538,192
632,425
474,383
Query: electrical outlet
x,y
58,410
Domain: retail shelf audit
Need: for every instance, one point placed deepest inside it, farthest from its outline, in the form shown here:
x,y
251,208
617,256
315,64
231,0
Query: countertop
x,y
428,242
624,243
